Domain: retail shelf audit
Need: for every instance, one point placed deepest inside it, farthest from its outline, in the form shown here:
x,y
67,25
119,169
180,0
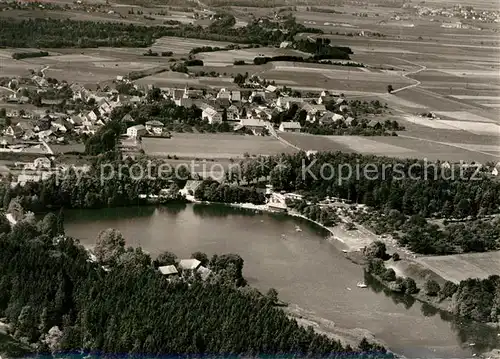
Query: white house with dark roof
x,y
223,93
257,126
291,126
496,169
155,127
92,116
330,117
136,131
190,187
287,102
211,115
14,131
232,113
235,96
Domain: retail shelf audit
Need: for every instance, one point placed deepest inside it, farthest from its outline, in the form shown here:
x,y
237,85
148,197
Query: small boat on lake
x,y
361,285
298,229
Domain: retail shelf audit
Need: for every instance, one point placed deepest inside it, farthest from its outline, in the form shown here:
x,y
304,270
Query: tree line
x,y
26,55
473,299
54,33
399,193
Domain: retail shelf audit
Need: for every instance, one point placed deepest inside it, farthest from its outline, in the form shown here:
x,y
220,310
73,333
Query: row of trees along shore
x,y
58,300
399,204
473,299
396,205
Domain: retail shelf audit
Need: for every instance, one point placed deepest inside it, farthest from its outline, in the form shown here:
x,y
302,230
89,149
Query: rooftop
x,y
166,270
291,124
189,263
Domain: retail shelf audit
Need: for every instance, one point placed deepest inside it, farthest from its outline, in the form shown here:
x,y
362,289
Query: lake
x,y
307,270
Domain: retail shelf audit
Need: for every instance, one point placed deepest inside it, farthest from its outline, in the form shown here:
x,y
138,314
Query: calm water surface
x,y
306,269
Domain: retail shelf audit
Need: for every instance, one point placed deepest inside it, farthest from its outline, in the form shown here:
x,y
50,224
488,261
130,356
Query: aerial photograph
x,y
249,179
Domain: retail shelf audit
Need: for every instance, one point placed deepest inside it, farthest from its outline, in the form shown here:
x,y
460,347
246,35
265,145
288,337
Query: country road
x,y
274,134
7,89
44,69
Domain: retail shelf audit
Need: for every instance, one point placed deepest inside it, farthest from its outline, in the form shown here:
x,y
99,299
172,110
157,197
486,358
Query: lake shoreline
x,y
287,242
354,254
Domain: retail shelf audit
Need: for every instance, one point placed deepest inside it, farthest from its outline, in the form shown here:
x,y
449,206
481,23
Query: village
x,y
75,112
42,118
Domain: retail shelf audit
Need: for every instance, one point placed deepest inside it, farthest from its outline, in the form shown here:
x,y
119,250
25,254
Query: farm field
x,y
181,45
170,79
222,58
215,146
313,142
77,147
463,266
334,78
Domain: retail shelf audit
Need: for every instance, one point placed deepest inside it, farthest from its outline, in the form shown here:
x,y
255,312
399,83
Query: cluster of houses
x,y
192,265
39,169
252,112
52,127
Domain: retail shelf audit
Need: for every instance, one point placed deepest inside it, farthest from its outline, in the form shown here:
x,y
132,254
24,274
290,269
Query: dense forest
x,y
322,49
410,186
55,297
52,33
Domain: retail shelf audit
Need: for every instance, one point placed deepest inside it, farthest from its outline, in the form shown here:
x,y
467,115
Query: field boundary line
x,y
274,134
448,144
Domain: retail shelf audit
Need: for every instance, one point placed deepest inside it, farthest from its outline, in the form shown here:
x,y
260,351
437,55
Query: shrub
x,y
449,288
375,250
410,286
389,275
432,287
375,266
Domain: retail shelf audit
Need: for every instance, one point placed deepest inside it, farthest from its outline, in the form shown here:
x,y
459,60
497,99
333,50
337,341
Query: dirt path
x,y
274,134
416,83
7,89
44,69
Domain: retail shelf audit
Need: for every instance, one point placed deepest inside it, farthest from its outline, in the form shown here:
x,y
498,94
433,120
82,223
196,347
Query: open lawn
x,y
217,146
456,268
